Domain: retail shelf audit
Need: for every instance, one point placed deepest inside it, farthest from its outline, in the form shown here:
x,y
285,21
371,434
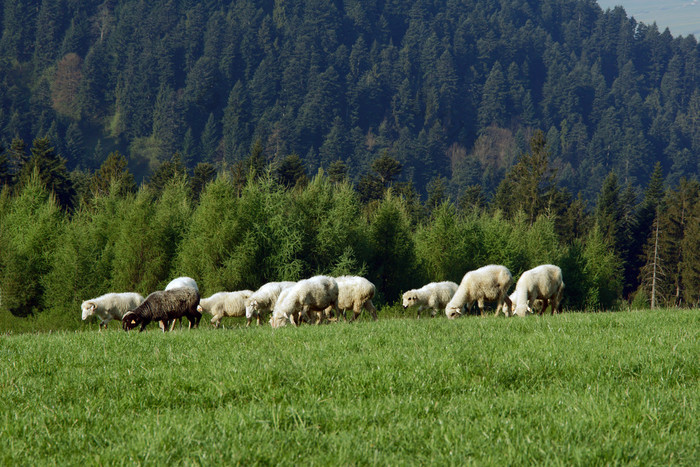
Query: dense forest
x,y
451,89
242,142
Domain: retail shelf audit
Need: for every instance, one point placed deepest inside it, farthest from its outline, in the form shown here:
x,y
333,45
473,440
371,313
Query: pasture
x,y
570,389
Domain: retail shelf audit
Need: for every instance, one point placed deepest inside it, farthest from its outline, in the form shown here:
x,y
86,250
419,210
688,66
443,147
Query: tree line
x,y
253,223
450,89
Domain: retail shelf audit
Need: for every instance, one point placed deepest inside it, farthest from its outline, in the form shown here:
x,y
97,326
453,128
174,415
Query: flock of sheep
x,y
324,298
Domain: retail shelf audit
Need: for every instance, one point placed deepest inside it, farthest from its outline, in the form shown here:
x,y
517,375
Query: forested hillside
x,y
450,89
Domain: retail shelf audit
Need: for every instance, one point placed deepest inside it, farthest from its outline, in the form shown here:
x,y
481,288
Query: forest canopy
x,y
451,89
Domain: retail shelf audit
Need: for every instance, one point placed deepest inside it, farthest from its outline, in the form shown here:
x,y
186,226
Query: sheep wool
x,y
545,282
356,293
165,306
231,304
110,306
263,300
308,295
489,283
433,296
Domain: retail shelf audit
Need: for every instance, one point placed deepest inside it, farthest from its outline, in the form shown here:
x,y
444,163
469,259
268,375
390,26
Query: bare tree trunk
x,y
656,258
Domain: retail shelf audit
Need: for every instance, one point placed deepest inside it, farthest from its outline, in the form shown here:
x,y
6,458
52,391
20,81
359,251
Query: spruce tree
x,y
51,169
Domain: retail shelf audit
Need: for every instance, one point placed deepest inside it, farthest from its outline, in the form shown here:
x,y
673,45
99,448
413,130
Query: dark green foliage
x,y
350,80
290,171
51,170
113,175
31,225
203,173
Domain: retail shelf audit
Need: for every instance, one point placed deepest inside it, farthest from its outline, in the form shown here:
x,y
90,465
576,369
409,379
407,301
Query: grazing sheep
x,y
176,283
165,306
309,295
489,283
263,300
356,293
434,296
513,298
222,304
544,283
110,306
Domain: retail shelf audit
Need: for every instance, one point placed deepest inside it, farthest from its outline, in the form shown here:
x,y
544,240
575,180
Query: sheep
x,y
263,300
164,306
545,283
182,282
222,304
176,283
294,303
489,283
434,296
110,306
514,300
356,293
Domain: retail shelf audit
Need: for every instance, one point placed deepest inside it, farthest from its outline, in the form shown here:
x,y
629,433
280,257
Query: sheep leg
x,y
369,306
215,321
481,307
545,304
508,302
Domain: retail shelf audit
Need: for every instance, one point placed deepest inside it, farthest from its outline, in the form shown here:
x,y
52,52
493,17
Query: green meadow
x,y
570,389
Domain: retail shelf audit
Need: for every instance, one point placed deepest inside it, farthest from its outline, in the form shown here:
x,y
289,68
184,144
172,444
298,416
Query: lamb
x,y
356,293
165,306
315,294
263,300
224,304
545,283
434,296
110,306
489,283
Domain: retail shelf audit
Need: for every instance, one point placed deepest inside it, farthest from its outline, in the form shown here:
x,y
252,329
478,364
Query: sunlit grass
x,y
578,388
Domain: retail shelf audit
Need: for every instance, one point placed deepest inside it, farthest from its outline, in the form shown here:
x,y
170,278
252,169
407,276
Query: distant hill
x,y
451,89
682,17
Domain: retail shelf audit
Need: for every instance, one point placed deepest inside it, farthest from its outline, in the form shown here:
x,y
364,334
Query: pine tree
x,y
204,173
690,265
291,172
51,169
609,213
28,236
113,175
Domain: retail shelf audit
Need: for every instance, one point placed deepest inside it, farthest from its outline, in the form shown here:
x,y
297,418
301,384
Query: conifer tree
x,y
51,169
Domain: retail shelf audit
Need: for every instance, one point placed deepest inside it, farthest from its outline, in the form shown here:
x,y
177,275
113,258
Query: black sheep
x,y
165,306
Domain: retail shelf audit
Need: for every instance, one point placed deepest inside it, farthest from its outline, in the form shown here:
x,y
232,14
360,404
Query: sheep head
x,y
409,298
88,310
130,320
251,308
453,312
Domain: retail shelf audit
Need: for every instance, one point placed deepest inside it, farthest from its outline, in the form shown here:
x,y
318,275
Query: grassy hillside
x,y
567,389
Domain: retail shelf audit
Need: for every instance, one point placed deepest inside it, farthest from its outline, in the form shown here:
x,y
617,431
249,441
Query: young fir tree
x,y
51,169
28,236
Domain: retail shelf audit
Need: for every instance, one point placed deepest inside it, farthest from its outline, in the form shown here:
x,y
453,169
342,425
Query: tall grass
x,y
566,389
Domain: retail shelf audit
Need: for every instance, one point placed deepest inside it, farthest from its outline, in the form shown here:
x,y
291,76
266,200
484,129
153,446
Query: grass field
x,y
571,389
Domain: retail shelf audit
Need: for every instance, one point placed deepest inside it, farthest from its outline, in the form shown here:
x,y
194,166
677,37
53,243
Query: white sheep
x,y
182,282
231,304
309,295
356,293
263,300
434,296
489,283
544,283
111,306
514,303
